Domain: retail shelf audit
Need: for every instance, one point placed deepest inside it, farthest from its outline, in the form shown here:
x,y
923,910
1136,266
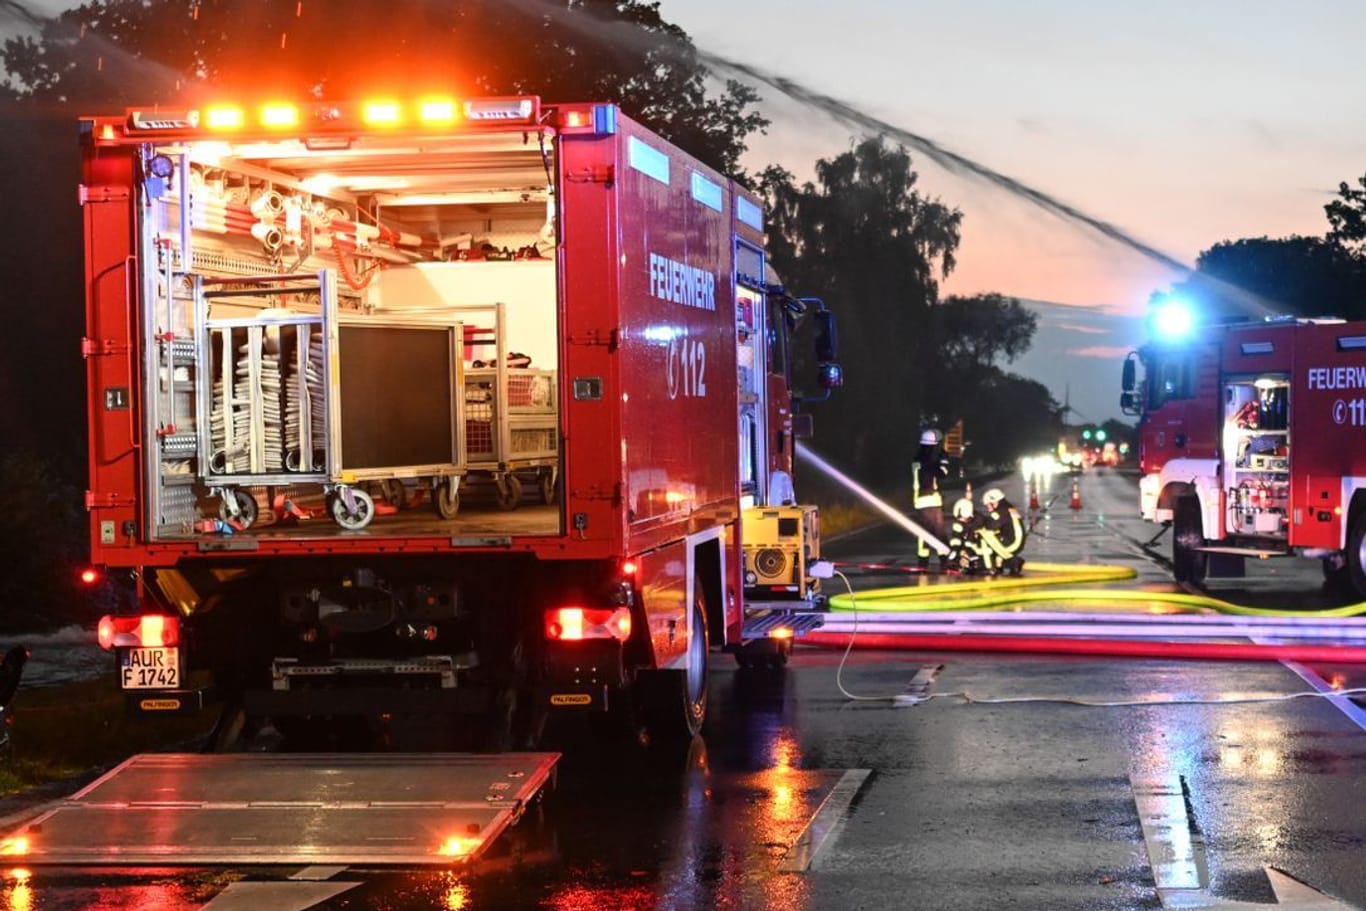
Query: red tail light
x,y
571,624
90,575
148,630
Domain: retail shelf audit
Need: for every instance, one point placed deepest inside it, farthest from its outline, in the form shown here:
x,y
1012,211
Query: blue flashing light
x,y
1173,320
605,119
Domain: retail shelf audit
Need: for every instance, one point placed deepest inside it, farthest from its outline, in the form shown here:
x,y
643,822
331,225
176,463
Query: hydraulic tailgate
x,y
321,808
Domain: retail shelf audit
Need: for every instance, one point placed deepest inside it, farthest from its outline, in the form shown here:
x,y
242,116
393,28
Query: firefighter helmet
x,y
962,509
930,437
992,498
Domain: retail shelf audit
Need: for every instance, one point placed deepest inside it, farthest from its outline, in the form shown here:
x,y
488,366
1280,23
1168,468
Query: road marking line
x,y
1176,851
1354,712
825,824
275,896
317,873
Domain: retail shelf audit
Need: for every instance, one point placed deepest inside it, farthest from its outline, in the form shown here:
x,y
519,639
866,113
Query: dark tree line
x,y
862,235
867,238
1287,276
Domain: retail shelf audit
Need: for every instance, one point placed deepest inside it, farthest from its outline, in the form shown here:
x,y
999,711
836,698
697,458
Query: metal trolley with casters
x,y
512,422
298,393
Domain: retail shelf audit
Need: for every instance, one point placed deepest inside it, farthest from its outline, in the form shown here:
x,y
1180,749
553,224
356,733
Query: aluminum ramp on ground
x,y
298,808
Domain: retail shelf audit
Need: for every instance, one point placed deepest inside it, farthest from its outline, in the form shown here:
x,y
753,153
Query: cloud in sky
x,y
1106,352
1170,119
1087,330
1076,354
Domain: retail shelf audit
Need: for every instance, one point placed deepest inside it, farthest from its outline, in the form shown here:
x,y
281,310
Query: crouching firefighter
x,y
929,466
1003,534
965,540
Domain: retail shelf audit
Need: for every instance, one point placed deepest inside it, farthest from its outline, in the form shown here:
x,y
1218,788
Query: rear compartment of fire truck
x,y
350,339
361,340
1256,441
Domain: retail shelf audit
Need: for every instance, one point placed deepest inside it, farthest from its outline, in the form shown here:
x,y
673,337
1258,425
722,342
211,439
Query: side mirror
x,y
803,426
1128,378
830,376
1127,403
826,336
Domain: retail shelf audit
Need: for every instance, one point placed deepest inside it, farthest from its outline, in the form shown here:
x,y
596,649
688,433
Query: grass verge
x,y
63,732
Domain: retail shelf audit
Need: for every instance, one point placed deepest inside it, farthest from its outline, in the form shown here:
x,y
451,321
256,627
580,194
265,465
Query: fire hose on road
x,y
1174,625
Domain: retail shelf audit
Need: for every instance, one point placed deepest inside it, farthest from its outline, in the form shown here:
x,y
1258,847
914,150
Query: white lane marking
x,y
1175,851
275,896
824,826
318,873
1343,704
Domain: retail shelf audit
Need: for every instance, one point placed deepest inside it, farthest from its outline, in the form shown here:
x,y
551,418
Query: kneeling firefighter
x,y
1003,534
965,541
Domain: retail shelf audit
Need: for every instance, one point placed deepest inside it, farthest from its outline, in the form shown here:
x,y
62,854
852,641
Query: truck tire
x,y
674,703
1356,556
1188,562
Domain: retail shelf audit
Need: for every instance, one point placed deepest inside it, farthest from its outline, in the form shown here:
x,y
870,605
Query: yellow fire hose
x,y
1037,587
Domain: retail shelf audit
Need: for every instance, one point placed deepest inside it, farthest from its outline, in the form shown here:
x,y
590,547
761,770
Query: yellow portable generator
x,y
780,542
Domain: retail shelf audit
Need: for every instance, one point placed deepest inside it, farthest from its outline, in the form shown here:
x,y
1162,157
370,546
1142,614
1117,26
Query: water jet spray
x,y
882,506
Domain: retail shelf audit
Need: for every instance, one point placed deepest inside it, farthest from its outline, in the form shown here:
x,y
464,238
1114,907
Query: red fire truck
x,y
1252,440
417,409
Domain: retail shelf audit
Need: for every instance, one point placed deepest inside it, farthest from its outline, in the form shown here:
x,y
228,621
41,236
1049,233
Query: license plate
x,y
150,668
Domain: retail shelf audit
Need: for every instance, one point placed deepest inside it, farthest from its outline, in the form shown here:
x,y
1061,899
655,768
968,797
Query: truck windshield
x,y
1171,376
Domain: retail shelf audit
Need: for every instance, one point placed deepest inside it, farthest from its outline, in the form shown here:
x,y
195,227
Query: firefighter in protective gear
x,y
929,466
1003,534
965,540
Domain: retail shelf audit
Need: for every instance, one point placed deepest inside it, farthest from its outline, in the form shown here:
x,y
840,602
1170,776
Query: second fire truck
x,y
1252,440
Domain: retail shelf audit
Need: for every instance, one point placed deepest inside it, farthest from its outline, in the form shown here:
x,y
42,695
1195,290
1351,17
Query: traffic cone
x,y
1033,494
1076,495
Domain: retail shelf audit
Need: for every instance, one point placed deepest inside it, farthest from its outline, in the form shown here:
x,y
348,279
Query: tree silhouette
x,y
1289,276
873,244
1347,216
139,52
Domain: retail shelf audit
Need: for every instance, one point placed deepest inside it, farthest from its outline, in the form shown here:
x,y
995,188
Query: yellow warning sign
x,y
953,440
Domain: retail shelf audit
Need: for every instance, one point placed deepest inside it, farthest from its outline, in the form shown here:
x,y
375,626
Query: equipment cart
x,y
298,393
512,419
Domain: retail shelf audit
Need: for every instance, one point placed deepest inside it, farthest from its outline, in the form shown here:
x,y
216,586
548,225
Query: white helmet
x,y
929,437
962,509
992,497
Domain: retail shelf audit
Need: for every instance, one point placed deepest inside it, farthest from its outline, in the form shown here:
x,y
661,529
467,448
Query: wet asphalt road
x,y
972,806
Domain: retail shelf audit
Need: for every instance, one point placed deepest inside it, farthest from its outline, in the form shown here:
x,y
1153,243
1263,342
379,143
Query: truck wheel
x,y
1188,562
445,501
246,509
509,492
674,703
1356,556
353,521
546,480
